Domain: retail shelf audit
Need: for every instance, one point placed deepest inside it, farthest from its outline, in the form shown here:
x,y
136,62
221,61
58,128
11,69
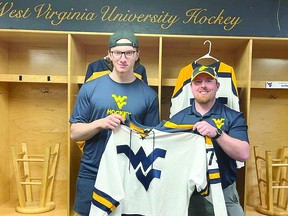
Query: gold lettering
x,y
105,11
192,14
5,10
164,18
14,13
57,17
219,18
19,14
119,112
41,12
171,21
195,15
111,15
234,21
27,13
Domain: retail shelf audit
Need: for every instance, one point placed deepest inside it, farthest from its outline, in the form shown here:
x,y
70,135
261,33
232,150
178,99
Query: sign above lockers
x,y
263,18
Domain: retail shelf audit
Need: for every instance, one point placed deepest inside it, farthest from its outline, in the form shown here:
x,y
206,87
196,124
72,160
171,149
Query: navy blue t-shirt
x,y
101,97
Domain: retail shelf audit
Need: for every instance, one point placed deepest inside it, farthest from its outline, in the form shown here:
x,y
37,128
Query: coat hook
x,y
46,90
210,44
272,96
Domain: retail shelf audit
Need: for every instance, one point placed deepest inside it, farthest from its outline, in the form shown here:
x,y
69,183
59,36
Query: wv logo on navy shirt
x,y
120,100
146,162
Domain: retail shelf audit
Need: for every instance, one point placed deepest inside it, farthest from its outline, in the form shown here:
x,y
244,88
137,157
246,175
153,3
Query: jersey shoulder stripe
x,y
97,74
228,71
184,78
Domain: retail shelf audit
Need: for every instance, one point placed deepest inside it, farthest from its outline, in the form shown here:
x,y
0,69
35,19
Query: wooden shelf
x,y
262,84
33,78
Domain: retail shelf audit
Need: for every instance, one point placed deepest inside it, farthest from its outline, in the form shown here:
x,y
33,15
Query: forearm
x,y
237,149
84,131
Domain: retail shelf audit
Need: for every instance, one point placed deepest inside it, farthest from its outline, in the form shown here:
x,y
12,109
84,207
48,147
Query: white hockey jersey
x,y
153,172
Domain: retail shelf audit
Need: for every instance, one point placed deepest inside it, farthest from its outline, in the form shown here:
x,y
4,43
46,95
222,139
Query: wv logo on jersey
x,y
218,122
142,163
120,100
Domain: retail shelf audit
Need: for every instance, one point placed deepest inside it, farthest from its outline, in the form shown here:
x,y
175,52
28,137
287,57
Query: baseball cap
x,y
204,69
123,34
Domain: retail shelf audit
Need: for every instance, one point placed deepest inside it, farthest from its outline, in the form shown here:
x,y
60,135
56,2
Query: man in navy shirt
x,y
102,104
228,131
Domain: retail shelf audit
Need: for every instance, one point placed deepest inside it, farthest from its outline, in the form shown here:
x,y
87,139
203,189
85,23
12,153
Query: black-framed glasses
x,y
118,54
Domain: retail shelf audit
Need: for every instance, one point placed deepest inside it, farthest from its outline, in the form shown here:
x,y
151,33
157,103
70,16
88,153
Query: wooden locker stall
x,y
268,110
33,83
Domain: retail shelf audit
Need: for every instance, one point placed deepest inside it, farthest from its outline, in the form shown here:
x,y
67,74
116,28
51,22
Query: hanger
x,y
207,55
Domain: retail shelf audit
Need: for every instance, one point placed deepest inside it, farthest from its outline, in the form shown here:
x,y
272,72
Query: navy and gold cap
x,y
204,69
123,34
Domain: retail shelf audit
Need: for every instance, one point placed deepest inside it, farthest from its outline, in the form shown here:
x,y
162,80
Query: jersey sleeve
x,y
198,177
89,72
81,111
144,75
228,92
239,128
215,194
97,69
108,190
140,72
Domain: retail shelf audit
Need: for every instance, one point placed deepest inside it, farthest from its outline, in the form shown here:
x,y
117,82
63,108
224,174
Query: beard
x,y
204,99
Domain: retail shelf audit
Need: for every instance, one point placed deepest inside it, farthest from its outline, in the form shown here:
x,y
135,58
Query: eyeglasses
x,y
127,54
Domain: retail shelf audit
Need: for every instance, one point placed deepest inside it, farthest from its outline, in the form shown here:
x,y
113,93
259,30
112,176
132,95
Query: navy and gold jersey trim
x,y
183,78
180,89
143,132
104,201
205,191
214,176
98,74
172,125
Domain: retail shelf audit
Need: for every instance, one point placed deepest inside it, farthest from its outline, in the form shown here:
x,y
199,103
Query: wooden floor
x,y
7,210
11,212
251,211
